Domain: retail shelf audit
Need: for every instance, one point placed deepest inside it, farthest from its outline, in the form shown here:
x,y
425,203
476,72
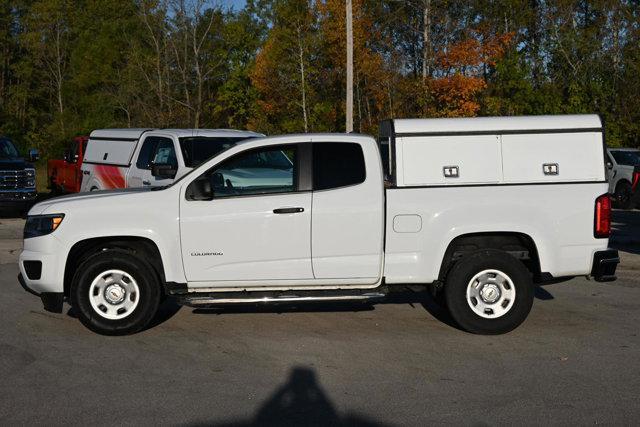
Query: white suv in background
x,y
623,181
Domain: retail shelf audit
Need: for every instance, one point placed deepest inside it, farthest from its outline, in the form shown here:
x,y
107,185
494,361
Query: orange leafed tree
x,y
460,79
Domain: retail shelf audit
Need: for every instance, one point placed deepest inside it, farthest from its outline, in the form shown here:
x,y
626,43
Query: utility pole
x,y
426,40
349,125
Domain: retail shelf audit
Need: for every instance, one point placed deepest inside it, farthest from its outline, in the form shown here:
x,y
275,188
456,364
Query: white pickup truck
x,y
478,209
124,158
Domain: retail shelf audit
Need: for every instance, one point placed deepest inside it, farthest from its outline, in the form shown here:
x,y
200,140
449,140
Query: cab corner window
x,y
337,164
267,170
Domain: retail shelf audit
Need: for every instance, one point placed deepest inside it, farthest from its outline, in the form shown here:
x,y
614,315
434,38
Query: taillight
x,y
635,180
602,221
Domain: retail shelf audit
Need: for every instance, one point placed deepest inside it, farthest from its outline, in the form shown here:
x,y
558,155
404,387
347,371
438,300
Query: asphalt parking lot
x,y
576,360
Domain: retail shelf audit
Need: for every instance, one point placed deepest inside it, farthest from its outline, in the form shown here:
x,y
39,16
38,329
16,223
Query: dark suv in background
x,y
17,177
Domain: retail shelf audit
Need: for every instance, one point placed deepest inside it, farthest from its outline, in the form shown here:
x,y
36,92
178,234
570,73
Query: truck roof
x,y
233,133
495,124
130,133
136,133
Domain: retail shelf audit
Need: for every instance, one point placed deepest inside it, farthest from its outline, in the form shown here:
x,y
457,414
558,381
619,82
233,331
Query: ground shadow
x,y
401,296
166,311
168,308
301,400
542,294
415,298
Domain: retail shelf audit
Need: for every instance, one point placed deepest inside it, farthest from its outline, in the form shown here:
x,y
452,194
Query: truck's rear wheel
x,y
489,292
115,293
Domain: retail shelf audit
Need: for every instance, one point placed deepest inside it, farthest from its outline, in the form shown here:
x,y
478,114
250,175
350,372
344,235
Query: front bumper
x,y
23,195
41,263
13,199
604,265
51,301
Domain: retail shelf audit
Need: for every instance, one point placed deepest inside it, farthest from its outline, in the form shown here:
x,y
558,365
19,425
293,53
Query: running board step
x,y
214,298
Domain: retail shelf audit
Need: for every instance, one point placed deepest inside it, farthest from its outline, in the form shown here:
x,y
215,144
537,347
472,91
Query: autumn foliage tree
x,y
463,68
277,66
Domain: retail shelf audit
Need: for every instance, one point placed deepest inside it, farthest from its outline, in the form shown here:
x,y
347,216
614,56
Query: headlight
x,y
31,172
41,225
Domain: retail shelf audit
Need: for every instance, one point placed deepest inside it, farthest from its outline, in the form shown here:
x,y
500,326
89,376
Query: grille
x,y
13,180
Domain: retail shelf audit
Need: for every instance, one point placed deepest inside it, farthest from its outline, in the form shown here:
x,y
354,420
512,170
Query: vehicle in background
x,y
65,175
121,158
623,182
477,210
17,177
635,187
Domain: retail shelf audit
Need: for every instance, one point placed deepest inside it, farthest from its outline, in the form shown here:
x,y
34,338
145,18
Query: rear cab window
x,y
337,164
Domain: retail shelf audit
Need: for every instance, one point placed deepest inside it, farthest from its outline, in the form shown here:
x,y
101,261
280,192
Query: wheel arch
x,y
83,249
520,245
621,181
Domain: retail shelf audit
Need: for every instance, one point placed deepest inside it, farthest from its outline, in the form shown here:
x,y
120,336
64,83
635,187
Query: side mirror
x,y
164,171
34,155
609,165
67,156
200,189
217,180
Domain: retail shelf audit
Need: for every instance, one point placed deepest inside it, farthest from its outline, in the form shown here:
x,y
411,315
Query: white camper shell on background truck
x,y
121,158
477,210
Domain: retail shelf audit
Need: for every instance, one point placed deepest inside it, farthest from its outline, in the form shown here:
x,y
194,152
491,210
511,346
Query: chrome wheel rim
x,y
491,294
114,294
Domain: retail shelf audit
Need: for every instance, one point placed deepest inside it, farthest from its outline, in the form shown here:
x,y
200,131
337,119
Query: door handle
x,y
146,182
288,210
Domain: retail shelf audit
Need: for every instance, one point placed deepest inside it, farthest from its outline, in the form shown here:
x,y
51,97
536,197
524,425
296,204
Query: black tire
x,y
463,272
622,197
143,274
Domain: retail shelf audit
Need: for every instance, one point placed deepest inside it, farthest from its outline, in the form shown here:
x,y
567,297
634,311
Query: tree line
x,y
70,66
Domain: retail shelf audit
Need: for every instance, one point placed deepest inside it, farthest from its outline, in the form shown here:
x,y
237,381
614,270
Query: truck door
x,y
348,211
249,219
70,168
154,150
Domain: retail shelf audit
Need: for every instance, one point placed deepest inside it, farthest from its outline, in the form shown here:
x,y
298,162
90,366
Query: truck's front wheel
x,y
489,292
115,293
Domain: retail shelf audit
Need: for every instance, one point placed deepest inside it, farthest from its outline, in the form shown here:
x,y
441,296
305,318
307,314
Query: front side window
x,y
267,170
337,164
627,158
197,150
7,149
165,153
156,151
148,149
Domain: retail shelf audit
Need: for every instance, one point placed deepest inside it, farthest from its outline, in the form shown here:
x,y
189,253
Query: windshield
x,y
7,149
626,158
198,149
